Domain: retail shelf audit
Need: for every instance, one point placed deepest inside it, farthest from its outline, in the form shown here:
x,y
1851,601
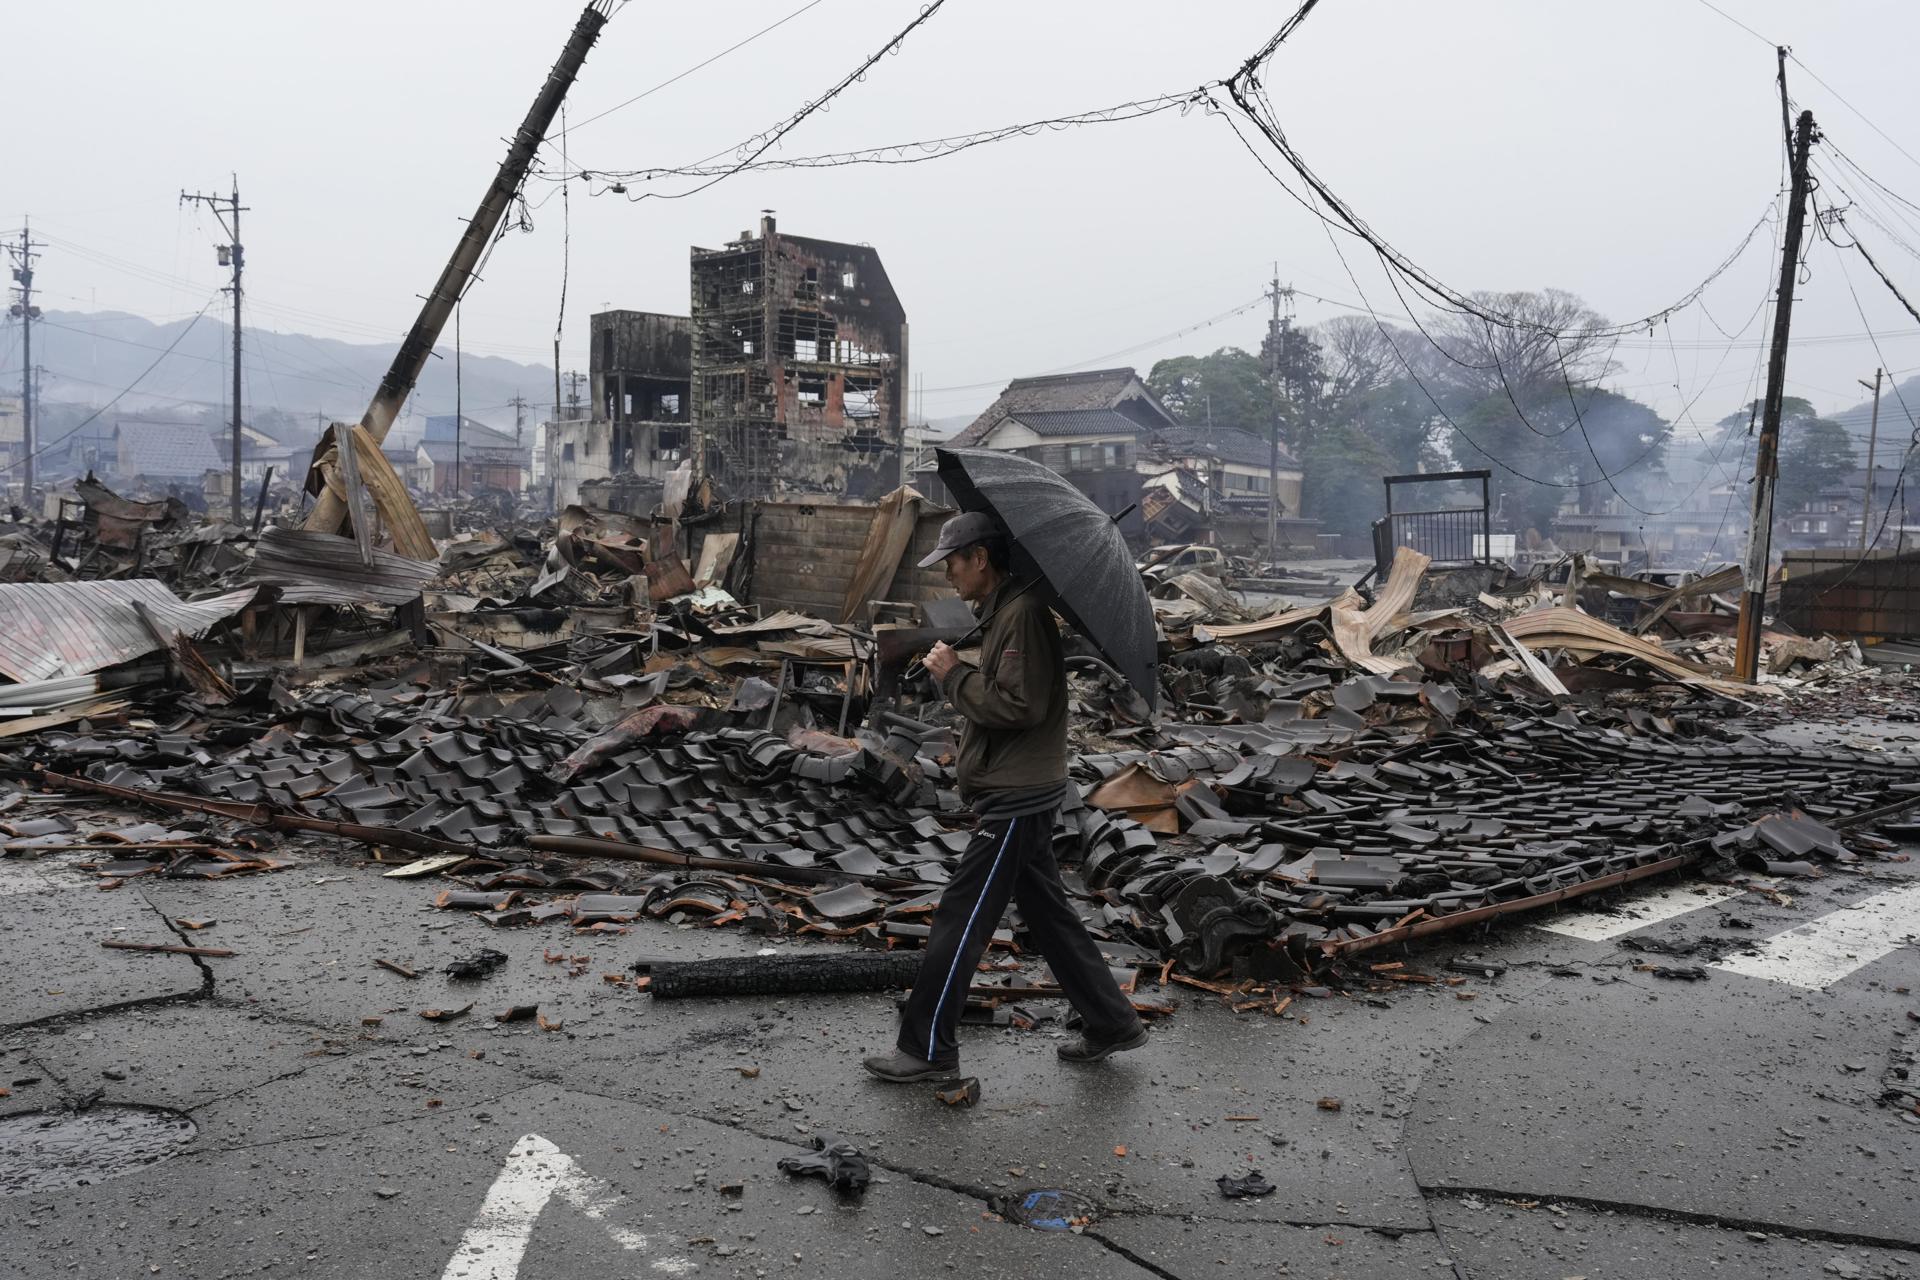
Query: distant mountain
x,y
88,356
1896,428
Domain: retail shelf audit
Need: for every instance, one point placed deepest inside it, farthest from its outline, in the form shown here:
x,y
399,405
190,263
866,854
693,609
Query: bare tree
x,y
1547,337
1360,357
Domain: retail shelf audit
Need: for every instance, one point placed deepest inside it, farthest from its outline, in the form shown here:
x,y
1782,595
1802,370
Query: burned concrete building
x,y
799,367
641,368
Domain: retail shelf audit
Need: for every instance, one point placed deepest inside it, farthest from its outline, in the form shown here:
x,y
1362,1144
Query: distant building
x,y
1835,516
13,435
1094,428
460,453
1236,464
1120,390
799,367
641,374
158,453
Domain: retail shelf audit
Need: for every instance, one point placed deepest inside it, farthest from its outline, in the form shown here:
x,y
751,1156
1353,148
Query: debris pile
x,y
569,726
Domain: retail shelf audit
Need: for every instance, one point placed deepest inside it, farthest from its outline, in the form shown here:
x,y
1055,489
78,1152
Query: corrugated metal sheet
x,y
324,568
53,629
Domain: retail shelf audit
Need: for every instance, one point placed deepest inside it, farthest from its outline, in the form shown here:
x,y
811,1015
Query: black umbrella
x,y
1072,546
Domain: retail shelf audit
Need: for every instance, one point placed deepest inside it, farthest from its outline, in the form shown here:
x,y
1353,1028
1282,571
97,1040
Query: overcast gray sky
x,y
1618,150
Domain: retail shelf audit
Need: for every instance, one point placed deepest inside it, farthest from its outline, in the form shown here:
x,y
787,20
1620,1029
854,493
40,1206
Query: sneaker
x,y
1086,1049
900,1067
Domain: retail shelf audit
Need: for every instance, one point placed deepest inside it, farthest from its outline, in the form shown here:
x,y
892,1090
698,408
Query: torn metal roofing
x,y
324,568
54,629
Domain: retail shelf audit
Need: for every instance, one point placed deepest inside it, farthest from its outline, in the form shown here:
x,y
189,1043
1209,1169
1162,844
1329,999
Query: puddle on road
x,y
47,1150
1046,1210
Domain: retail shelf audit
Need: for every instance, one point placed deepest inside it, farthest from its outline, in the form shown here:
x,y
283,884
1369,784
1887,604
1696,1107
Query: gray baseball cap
x,y
963,531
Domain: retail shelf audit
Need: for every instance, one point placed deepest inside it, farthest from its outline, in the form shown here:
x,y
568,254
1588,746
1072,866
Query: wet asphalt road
x,y
1572,1115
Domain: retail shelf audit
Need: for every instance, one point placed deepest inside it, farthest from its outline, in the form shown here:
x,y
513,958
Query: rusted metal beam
x,y
1461,919
261,815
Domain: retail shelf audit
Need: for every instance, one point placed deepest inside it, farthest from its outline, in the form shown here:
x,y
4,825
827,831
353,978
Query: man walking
x,y
1012,767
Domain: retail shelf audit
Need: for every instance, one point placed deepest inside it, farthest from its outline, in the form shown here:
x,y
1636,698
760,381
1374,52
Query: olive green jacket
x,y
1015,701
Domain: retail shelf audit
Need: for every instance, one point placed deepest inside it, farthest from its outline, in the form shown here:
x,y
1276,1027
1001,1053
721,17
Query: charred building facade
x,y
641,381
642,377
799,367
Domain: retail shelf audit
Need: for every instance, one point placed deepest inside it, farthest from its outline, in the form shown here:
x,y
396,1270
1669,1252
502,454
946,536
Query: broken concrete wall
x,y
800,366
803,556
577,452
641,371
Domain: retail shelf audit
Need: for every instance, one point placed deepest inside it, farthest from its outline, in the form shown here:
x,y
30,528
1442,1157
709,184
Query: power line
x,y
1736,22
758,145
1208,323
121,393
1897,493
1245,89
1849,106
620,106
916,152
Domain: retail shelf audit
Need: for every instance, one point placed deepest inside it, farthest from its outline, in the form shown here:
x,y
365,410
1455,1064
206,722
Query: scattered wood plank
x,y
167,948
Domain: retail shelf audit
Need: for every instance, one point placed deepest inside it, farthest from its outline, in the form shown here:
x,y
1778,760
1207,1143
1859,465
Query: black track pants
x,y
1012,858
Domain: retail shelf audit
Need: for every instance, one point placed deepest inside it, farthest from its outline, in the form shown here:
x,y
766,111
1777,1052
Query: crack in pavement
x,y
1191,1215
438,1113
1627,1208
956,1187
203,992
200,962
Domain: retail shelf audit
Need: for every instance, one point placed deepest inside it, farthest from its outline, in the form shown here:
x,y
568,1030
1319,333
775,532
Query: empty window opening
x,y
810,390
853,352
846,279
861,398
806,337
809,287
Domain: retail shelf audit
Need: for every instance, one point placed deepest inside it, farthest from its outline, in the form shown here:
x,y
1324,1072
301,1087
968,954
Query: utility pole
x,y
23,255
574,379
1766,465
459,409
1873,438
1279,330
329,511
519,403
231,255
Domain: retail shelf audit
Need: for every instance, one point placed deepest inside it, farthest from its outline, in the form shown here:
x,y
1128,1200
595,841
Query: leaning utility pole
x,y
328,509
1766,465
459,405
231,255
23,256
1873,438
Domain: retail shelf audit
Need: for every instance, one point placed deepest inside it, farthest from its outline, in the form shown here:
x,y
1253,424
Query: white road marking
x,y
1819,953
534,1173
1652,908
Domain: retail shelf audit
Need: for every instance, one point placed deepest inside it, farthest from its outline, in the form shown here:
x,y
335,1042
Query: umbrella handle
x,y
917,666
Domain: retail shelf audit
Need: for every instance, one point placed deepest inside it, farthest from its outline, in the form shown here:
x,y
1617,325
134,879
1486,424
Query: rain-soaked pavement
x,y
1563,1113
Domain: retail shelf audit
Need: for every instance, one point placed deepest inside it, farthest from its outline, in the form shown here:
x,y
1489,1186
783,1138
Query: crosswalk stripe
x,y
1662,904
1819,953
